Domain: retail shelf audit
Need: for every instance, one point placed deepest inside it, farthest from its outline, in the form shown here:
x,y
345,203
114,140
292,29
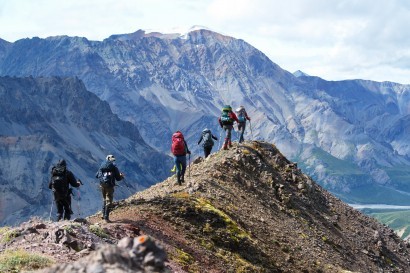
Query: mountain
x,y
351,136
3,47
46,119
247,209
299,73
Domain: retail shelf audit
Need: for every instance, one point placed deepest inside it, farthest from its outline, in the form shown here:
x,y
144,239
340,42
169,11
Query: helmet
x,y
110,158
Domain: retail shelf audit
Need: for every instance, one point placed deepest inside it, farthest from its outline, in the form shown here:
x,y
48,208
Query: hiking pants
x,y
180,163
228,134
241,129
207,151
108,195
63,205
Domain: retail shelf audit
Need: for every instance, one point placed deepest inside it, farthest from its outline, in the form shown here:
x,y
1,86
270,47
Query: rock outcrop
x,y
138,255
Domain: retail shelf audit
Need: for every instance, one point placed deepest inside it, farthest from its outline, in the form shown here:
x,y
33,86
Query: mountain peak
x,y
171,33
299,73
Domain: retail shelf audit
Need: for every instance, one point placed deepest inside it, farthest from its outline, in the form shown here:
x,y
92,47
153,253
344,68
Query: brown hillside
x,y
249,209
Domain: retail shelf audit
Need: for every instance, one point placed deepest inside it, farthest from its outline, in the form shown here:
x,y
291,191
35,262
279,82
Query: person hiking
x,y
60,181
242,117
226,121
207,142
179,149
108,173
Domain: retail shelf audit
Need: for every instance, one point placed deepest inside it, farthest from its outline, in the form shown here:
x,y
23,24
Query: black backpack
x,y
207,140
59,181
106,175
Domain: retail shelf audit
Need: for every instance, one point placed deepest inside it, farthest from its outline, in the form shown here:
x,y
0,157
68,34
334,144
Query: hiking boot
x,y
230,144
107,215
103,212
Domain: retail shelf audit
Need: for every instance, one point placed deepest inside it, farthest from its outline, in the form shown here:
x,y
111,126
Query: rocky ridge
x,y
247,209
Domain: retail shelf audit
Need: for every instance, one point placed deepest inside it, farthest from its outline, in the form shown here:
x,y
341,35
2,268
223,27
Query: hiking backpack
x,y
207,140
59,181
225,117
240,112
178,144
106,175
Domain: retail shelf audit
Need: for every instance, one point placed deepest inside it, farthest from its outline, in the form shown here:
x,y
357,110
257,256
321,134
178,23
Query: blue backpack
x,y
240,113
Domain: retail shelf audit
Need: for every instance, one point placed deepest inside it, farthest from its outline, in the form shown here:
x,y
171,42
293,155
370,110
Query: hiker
x,y
179,149
226,121
242,117
207,142
61,179
108,173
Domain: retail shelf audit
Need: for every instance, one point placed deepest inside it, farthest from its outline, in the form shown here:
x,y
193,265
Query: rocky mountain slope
x,y
247,209
46,119
352,136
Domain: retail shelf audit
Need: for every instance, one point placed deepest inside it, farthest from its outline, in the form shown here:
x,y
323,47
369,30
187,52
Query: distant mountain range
x,y
46,119
351,136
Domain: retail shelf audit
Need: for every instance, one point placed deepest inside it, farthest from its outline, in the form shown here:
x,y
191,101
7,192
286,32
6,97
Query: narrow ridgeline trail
x,y
246,209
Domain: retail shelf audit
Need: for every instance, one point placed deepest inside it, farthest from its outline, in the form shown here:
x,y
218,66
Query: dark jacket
x,y
109,166
69,180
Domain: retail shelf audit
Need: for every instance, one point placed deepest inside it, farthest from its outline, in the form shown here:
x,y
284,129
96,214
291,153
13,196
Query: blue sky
x,y
332,39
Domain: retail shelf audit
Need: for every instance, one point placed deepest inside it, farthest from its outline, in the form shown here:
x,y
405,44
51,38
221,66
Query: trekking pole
x,y
237,133
79,198
250,123
125,183
189,166
219,140
51,210
78,202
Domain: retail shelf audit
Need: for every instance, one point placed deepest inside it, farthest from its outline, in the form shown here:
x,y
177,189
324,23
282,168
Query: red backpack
x,y
178,144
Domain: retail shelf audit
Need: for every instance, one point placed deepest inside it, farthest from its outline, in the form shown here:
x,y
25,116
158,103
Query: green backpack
x,y
225,118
